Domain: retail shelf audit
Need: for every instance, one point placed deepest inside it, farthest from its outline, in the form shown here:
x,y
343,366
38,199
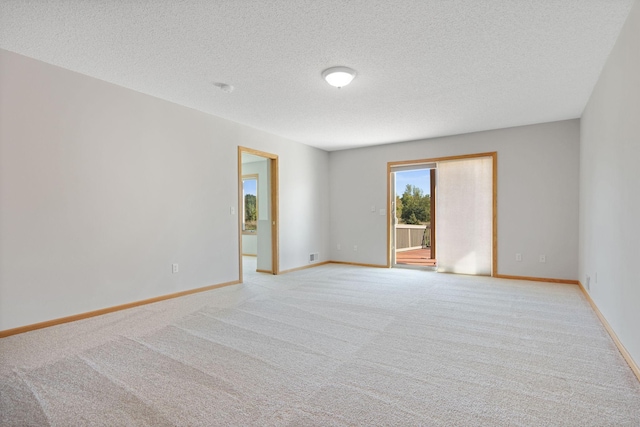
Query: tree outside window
x,y
250,203
414,207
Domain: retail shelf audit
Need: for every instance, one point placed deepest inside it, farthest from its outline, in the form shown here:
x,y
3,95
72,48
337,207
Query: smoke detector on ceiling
x,y
224,87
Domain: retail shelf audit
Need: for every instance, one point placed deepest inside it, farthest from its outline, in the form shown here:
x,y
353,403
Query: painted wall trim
x,y
304,267
67,319
537,279
625,354
359,264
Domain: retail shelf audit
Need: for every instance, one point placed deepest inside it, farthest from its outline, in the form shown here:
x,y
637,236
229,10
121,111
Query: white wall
x,y
303,198
610,188
102,188
537,195
249,244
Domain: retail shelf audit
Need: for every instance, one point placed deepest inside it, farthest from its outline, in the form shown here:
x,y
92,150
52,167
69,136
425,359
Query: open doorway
x,y
413,210
257,212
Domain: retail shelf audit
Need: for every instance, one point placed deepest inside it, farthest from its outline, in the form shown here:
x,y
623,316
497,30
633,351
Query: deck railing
x,y
412,236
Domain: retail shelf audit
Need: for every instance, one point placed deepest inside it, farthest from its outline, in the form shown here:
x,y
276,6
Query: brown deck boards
x,y
420,257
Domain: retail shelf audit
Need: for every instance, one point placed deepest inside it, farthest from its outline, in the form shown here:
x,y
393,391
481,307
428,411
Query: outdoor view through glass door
x,y
414,216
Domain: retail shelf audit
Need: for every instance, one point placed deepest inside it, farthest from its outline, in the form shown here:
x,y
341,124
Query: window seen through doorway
x,y
249,204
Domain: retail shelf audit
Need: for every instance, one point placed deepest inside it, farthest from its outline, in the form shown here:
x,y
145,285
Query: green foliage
x,y
250,211
416,206
398,207
250,207
412,219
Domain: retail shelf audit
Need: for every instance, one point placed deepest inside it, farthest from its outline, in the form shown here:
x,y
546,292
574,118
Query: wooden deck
x,y
418,257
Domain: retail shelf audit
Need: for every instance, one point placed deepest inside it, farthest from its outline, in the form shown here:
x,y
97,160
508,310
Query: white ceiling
x,y
426,68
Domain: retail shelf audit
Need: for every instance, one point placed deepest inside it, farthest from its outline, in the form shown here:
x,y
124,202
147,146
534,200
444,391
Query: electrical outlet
x,y
355,247
174,268
518,257
373,208
543,258
232,211
587,282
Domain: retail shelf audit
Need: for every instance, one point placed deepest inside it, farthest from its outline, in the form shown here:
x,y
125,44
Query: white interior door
x,y
265,228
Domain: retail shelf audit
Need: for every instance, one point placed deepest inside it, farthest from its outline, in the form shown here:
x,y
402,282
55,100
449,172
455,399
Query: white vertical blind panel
x,y
265,252
464,216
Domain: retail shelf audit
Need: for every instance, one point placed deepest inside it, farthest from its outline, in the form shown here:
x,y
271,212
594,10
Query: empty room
x,y
312,213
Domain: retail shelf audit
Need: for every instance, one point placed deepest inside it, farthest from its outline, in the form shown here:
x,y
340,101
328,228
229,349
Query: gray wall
x,y
537,195
610,188
102,188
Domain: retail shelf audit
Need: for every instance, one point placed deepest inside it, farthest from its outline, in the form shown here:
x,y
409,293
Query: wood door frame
x,y
274,195
494,205
433,190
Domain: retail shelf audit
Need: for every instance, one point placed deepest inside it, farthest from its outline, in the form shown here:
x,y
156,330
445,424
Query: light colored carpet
x,y
333,345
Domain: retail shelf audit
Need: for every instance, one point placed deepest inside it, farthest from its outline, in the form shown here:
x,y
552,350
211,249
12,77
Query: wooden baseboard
x,y
253,255
537,279
61,320
304,267
359,264
264,271
625,354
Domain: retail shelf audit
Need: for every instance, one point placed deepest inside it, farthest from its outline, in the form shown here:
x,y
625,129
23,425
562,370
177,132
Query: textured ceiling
x,y
426,68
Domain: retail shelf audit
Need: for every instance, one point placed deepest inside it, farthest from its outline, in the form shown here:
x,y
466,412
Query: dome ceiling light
x,y
339,76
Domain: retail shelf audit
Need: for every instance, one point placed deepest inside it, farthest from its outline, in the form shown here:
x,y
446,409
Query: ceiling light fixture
x,y
339,76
